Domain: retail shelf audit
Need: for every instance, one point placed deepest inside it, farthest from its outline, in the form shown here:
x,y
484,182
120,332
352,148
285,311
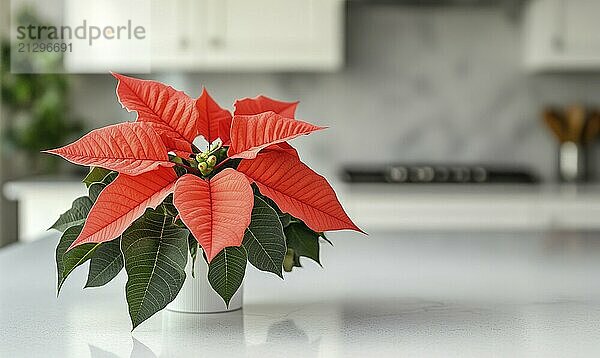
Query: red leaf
x,y
224,131
297,190
217,211
172,140
250,134
130,148
260,104
210,116
162,104
183,154
283,147
123,201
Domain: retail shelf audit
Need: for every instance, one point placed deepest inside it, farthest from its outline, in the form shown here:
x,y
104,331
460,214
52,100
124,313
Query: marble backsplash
x,y
434,84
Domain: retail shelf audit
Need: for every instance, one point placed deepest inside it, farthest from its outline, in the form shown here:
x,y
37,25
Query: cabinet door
x,y
205,35
562,35
103,36
274,34
176,37
580,27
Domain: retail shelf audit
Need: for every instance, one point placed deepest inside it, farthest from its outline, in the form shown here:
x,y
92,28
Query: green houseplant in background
x,y
36,106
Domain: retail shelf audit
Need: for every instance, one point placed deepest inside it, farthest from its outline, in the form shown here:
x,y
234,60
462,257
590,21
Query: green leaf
x,y
169,207
303,241
106,263
80,208
285,218
75,215
226,271
66,262
322,235
291,260
96,174
109,178
155,252
96,188
264,240
193,247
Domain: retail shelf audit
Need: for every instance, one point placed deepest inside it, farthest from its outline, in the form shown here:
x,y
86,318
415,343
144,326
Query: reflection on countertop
x,y
419,294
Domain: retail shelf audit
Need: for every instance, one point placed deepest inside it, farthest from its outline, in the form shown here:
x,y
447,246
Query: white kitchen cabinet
x,y
274,34
562,35
101,36
231,35
174,39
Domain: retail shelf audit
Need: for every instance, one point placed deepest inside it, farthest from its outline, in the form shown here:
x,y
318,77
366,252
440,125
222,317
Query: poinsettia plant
x,y
155,198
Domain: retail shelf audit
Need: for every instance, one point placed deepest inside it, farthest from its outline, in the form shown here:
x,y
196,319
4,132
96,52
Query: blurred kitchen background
x,y
466,99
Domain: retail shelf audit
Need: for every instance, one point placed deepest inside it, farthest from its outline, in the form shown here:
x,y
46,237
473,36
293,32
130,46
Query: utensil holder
x,y
572,166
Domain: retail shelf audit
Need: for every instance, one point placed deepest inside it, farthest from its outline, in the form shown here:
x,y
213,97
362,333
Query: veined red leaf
x,y
183,154
158,103
210,116
283,147
130,148
297,190
225,131
250,134
260,104
123,201
172,140
217,211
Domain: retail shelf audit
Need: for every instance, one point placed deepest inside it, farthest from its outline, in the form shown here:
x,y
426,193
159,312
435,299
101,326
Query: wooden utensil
x,y
592,128
555,123
575,124
575,121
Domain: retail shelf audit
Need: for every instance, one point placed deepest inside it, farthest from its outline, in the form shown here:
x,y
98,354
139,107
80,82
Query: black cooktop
x,y
437,174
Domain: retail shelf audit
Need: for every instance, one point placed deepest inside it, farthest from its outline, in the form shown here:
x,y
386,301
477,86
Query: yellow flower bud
x,y
201,157
211,161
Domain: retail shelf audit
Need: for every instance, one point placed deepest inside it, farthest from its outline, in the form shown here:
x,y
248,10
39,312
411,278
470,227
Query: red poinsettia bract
x,y
216,209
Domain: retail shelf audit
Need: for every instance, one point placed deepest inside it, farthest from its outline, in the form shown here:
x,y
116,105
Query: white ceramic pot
x,y
197,296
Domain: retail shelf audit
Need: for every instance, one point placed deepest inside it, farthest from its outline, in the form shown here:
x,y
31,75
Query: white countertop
x,y
419,295
473,207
